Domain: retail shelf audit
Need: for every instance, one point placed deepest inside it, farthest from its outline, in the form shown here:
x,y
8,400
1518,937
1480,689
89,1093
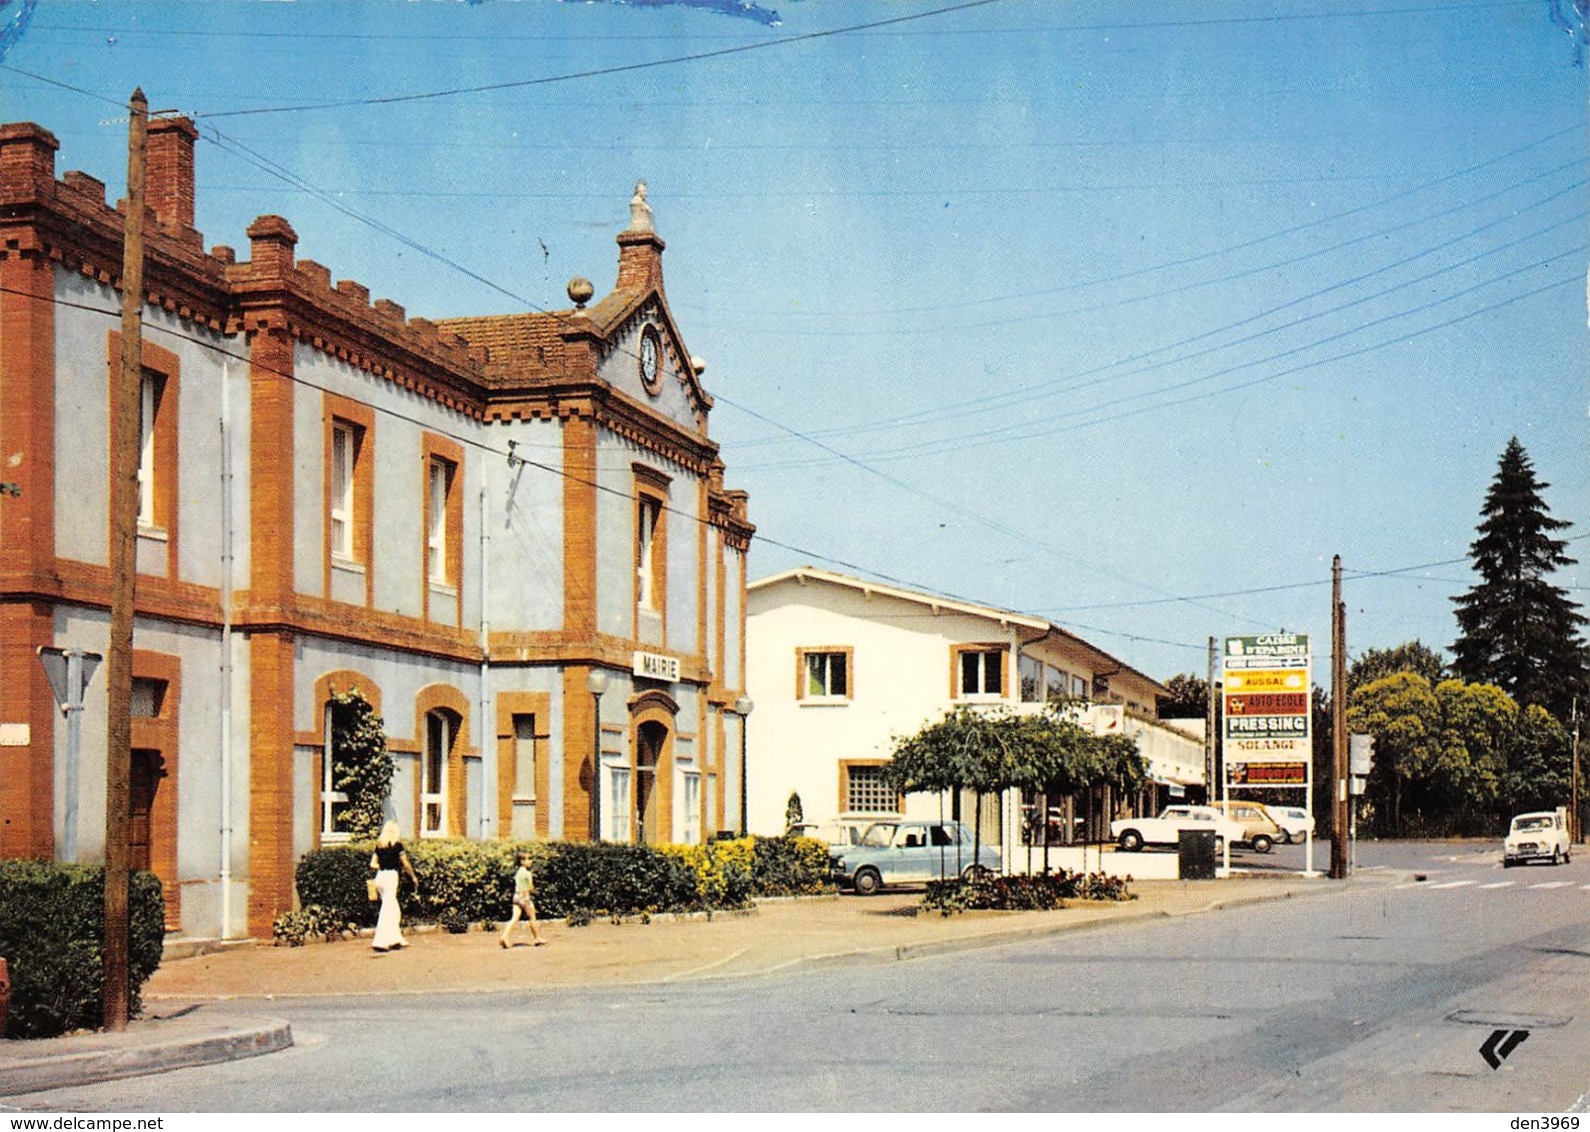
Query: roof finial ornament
x,y
639,210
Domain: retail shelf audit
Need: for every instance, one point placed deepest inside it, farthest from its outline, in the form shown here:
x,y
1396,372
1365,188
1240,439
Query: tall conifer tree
x,y
1516,629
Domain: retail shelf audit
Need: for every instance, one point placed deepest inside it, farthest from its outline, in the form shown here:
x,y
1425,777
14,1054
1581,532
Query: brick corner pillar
x,y
270,846
271,646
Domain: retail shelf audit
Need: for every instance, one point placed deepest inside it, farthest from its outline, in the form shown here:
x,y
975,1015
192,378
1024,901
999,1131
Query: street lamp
x,y
744,706
596,684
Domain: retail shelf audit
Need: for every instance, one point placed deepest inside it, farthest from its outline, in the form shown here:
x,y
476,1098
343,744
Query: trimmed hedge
x,y
52,931
1039,892
789,866
472,881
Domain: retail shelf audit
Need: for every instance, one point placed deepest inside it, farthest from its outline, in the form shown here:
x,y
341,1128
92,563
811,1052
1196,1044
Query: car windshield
x,y
878,835
1522,825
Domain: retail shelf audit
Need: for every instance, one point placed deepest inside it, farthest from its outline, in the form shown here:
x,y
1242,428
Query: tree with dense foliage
x,y
987,750
1517,630
1188,698
1411,656
1454,757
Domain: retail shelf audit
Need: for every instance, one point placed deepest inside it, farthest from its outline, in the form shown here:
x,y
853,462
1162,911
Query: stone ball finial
x,y
698,364
639,210
580,291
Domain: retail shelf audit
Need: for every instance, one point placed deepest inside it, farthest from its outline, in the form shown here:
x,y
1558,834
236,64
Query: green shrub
x,y
334,879
609,878
52,928
722,871
789,866
1036,893
471,878
295,928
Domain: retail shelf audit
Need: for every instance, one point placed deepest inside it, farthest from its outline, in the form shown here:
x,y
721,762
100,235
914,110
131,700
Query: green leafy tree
x,y
1188,698
361,764
1517,630
1539,764
986,751
1403,715
1413,656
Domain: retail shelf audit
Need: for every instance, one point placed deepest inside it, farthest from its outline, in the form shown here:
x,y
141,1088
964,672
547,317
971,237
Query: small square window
x,y
827,675
982,672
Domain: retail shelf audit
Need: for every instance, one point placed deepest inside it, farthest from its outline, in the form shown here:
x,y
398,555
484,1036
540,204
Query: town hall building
x,y
510,535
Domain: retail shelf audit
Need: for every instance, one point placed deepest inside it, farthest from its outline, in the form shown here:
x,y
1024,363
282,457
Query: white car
x,y
1541,836
1134,833
1296,823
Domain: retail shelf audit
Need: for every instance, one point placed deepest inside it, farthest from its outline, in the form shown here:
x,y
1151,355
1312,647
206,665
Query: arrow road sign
x,y
1510,1040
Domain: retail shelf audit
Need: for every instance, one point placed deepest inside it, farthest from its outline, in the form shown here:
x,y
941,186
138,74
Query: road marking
x,y
1500,884
1553,884
1452,884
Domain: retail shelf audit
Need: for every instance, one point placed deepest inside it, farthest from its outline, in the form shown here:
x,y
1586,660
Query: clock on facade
x,y
648,359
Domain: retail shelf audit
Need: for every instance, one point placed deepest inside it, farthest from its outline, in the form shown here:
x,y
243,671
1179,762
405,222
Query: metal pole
x,y
73,710
1575,825
124,569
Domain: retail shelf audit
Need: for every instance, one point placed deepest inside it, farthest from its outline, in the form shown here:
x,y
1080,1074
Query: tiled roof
x,y
520,345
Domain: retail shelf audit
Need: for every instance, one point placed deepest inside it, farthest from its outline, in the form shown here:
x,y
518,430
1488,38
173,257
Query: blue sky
x,y
1053,306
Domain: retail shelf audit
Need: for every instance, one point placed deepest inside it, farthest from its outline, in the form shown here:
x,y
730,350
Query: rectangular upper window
x,y
980,671
344,457
823,674
438,542
150,388
349,485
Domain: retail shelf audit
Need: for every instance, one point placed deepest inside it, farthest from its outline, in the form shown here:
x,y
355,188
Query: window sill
x,y
442,589
157,534
346,565
825,701
335,838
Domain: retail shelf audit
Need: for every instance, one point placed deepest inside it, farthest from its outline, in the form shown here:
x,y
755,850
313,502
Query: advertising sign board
x,y
1267,733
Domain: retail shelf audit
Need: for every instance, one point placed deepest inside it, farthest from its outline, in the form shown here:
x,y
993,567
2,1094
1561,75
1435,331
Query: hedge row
x,y
52,932
1037,893
463,882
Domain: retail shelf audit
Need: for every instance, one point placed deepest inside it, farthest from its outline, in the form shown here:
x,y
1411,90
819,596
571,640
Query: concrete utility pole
x,y
1575,826
123,574
1338,724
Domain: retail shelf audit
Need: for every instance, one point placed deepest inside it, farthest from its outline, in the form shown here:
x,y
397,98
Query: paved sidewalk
x,y
188,1021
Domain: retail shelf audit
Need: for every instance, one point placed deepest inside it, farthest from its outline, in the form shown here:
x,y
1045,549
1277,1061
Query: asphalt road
x,y
1378,997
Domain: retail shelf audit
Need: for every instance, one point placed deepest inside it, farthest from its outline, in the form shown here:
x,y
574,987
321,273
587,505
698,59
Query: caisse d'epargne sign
x,y
1266,691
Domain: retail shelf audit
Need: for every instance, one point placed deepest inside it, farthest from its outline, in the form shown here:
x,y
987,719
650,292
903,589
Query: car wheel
x,y
1506,864
976,873
1262,844
867,882
1556,856
1131,840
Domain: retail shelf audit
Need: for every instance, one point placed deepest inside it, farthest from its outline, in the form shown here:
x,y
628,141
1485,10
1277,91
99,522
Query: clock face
x,y
648,359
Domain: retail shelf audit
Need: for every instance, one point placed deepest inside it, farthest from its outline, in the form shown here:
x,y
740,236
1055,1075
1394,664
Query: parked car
x,y
1296,823
844,831
1541,836
910,852
1260,831
1134,833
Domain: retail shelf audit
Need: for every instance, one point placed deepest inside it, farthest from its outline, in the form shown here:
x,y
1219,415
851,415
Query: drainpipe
x,y
226,651
487,729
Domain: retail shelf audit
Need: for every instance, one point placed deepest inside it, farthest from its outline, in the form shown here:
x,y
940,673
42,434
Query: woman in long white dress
x,y
387,859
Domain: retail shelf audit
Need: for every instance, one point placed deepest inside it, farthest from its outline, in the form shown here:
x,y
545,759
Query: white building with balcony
x,y
839,666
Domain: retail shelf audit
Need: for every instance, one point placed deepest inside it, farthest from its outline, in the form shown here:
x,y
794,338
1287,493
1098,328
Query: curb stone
x,y
92,1058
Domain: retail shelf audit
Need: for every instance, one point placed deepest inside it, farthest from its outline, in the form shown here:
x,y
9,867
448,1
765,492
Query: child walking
x,y
524,901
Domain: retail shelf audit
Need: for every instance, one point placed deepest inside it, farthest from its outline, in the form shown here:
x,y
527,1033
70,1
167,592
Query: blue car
x,y
910,852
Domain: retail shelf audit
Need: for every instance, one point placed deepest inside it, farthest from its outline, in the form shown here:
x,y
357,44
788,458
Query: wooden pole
x,y
123,572
1338,724
1209,731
